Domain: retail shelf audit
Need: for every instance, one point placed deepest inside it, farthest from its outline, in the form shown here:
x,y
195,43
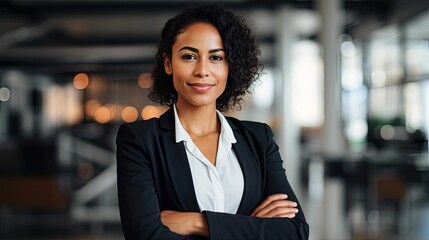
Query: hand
x,y
185,223
276,205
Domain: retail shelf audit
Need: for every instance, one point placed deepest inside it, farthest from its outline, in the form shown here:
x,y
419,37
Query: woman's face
x,y
198,66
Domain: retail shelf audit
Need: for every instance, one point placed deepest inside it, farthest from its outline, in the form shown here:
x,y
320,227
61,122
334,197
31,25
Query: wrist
x,y
199,224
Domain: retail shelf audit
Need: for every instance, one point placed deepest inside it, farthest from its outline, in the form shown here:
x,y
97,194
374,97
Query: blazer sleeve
x,y
230,226
138,202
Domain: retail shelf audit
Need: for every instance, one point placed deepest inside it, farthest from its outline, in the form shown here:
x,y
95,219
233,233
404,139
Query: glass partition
x,y
417,47
385,57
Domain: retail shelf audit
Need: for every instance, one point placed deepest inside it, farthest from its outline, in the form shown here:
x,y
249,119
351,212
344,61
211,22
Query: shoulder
x,y
139,128
251,128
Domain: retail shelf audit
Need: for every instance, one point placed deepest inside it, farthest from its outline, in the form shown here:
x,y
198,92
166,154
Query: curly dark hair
x,y
240,46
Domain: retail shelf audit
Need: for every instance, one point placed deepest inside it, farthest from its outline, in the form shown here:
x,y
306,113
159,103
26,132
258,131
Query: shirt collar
x,y
181,134
225,129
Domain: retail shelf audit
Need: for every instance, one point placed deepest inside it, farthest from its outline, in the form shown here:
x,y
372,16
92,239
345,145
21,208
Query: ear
x,y
167,65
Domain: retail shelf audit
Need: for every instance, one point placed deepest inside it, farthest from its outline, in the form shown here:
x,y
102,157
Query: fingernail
x,y
285,195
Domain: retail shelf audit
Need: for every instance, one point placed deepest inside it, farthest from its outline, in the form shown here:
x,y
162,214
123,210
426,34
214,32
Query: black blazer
x,y
154,175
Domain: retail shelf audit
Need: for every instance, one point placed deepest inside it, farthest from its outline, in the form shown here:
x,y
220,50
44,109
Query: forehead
x,y
199,34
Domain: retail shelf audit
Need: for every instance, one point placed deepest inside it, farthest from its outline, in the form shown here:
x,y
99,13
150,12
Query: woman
x,y
193,173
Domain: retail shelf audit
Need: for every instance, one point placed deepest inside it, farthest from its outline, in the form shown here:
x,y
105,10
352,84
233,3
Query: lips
x,y
201,87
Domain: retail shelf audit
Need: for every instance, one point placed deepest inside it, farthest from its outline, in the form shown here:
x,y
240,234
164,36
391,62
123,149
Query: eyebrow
x,y
196,50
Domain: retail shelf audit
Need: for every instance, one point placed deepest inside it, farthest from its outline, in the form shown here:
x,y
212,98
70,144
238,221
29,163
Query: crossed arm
x,y
191,223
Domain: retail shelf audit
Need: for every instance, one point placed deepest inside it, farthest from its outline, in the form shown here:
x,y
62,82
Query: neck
x,y
198,121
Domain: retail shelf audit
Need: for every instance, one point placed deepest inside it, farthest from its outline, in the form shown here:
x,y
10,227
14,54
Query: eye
x,y
216,58
189,57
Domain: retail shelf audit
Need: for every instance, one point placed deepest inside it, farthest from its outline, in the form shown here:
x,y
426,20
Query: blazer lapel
x,y
252,177
177,164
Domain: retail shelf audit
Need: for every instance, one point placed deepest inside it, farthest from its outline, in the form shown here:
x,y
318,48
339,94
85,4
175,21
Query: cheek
x,y
176,83
179,73
226,77
223,73
223,84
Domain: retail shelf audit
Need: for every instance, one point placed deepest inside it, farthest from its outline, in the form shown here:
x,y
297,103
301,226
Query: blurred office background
x,y
346,90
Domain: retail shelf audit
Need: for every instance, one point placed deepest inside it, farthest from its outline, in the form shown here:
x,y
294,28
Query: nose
x,y
201,69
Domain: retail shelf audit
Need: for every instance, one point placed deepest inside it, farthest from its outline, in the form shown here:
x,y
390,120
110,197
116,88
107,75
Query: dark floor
x,y
36,226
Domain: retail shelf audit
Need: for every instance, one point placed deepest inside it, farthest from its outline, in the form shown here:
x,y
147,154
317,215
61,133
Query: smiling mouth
x,y
200,87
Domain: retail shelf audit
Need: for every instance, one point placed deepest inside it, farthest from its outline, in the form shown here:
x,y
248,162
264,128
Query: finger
x,y
268,200
274,205
291,215
282,212
277,211
268,204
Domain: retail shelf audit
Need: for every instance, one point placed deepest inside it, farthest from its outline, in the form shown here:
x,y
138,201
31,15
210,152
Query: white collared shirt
x,y
217,188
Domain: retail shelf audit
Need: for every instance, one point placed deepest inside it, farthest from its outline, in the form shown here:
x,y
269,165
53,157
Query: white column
x,y
333,145
288,136
332,138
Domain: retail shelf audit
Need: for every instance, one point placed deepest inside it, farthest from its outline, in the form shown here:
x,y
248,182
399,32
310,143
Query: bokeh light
x,y
357,129
348,49
4,94
129,114
151,111
145,80
387,132
103,115
81,81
